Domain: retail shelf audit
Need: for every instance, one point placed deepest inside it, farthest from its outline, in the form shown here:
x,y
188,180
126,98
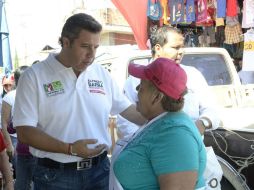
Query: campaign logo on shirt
x,y
96,86
53,88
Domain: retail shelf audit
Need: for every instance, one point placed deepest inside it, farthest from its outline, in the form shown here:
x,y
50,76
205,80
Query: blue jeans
x,y
13,159
24,172
96,178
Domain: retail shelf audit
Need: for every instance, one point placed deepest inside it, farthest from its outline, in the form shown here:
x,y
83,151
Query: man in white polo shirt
x,y
62,109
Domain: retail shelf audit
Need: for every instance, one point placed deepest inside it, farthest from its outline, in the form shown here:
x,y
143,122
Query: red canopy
x,y
134,11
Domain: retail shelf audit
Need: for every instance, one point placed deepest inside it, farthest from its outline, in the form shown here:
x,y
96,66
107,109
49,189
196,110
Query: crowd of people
x,y
61,107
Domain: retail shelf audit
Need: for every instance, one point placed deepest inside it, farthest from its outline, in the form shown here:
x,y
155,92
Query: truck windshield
x,y
212,66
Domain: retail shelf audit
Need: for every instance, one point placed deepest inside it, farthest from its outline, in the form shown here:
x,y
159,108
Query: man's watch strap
x,y
205,122
70,152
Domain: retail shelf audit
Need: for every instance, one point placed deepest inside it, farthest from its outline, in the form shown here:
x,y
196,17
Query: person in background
x,y
62,111
199,104
168,153
7,102
7,83
25,162
5,166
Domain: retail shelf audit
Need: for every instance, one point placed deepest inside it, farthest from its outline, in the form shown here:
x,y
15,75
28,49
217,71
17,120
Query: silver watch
x,y
205,122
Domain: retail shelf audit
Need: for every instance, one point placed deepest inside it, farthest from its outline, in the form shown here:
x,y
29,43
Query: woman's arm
x,y
6,116
178,181
6,170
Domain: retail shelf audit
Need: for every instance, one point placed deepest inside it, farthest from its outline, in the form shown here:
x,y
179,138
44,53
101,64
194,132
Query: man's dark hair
x,y
18,72
160,36
76,23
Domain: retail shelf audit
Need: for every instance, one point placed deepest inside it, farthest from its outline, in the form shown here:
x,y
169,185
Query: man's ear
x,y
66,42
157,49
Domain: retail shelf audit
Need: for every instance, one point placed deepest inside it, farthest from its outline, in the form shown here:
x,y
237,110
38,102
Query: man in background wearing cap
x,y
7,86
10,139
199,102
168,152
7,83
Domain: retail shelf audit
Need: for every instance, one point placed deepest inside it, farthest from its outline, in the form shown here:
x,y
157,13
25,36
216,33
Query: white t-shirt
x,y
9,98
198,102
52,98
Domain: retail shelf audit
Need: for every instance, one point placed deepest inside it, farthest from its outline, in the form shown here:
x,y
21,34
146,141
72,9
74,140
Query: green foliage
x,y
16,61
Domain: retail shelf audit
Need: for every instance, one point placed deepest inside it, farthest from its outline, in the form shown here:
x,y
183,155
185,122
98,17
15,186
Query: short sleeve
x,y
120,101
26,102
174,151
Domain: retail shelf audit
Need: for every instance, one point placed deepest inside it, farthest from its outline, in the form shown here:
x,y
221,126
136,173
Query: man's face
x,y
172,49
8,87
81,52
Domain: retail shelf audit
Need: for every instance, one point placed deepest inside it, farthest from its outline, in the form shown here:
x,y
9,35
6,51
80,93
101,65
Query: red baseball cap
x,y
165,74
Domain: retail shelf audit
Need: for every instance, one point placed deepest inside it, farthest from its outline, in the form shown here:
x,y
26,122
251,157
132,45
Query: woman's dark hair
x,y
76,23
171,104
18,72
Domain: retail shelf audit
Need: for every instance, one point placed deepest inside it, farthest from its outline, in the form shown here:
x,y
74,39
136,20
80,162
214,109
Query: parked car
x,y
233,142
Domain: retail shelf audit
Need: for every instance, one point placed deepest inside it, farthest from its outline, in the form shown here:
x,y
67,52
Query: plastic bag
x,y
213,171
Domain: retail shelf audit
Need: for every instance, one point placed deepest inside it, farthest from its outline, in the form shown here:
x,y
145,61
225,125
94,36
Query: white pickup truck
x,y
233,142
235,101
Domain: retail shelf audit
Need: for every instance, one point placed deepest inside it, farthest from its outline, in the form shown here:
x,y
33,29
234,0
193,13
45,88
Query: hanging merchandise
x,y
154,10
233,34
201,11
248,51
210,12
152,26
154,13
248,14
165,16
220,32
221,8
176,11
231,8
233,30
190,11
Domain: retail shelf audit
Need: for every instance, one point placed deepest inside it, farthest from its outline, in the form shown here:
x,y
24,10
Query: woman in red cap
x,y
168,152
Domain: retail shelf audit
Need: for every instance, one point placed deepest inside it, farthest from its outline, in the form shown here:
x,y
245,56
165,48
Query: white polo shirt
x,y
52,98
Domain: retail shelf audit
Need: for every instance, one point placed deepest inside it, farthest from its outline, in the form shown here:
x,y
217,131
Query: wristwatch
x,y
205,122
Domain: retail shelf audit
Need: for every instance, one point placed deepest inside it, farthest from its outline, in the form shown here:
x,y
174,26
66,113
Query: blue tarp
x,y
5,53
